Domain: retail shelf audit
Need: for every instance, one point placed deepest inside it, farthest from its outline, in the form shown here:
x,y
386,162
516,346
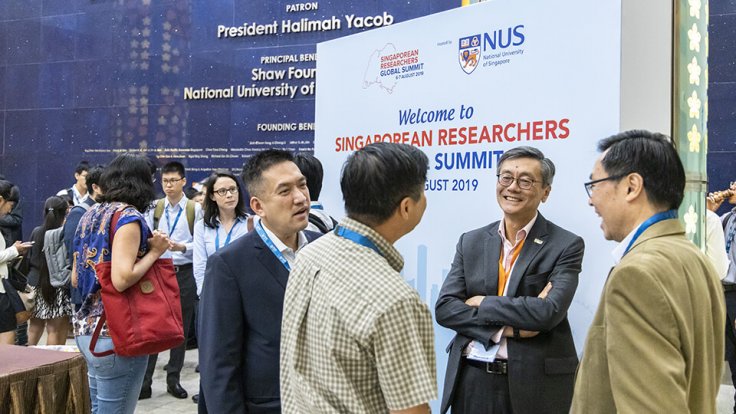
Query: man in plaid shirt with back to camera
x,y
355,337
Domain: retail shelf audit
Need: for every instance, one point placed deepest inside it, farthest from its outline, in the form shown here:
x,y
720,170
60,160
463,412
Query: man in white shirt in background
x,y
77,193
175,216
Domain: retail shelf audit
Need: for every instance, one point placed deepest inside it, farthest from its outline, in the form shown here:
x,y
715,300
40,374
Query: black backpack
x,y
320,225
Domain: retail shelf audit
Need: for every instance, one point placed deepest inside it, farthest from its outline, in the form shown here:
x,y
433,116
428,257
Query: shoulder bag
x,y
145,318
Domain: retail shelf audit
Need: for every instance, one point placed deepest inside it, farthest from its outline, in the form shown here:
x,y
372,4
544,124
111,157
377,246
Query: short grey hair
x,y
548,167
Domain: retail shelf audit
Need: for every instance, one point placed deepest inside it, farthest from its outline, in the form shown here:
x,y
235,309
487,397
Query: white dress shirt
x,y
508,248
178,231
715,245
77,197
288,252
205,238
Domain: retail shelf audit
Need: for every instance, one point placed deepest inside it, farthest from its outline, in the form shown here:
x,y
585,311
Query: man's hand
x,y
177,247
158,242
508,331
475,301
543,294
711,203
419,409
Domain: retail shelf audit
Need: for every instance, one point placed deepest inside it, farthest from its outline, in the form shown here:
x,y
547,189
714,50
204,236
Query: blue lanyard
x,y
176,220
269,243
229,235
357,238
316,207
664,215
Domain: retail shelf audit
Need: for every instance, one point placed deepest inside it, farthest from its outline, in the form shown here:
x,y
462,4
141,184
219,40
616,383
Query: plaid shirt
x,y
355,337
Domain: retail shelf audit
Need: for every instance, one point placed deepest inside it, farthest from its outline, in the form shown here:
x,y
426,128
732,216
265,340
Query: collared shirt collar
x,y
301,240
241,219
388,251
182,203
78,197
520,235
620,250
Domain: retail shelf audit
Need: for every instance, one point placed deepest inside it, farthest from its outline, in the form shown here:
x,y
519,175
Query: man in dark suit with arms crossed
x,y
243,293
507,294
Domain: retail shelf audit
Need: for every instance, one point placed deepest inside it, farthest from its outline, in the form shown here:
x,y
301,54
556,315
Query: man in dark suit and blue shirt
x,y
245,282
507,296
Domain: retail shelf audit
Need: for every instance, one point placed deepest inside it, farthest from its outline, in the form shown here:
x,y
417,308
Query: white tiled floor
x,y
163,403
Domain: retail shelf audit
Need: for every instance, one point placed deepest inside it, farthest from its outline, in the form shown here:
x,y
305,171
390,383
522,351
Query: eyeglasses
x,y
172,181
590,185
507,179
223,191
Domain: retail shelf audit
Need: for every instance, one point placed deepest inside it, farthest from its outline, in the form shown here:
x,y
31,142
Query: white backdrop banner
x,y
464,86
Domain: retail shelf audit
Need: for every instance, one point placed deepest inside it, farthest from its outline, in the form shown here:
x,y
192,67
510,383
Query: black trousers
x,y
478,392
731,335
187,296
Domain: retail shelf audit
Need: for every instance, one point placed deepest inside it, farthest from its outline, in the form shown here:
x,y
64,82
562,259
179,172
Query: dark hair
x,y
152,165
377,177
81,167
93,177
651,155
255,166
211,211
14,194
311,168
128,179
9,192
547,166
54,211
174,167
68,199
191,192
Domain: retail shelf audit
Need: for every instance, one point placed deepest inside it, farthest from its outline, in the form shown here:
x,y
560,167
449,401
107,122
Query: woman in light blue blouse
x,y
224,221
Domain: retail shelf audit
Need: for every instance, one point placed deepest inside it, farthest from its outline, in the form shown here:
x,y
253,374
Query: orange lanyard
x,y
503,273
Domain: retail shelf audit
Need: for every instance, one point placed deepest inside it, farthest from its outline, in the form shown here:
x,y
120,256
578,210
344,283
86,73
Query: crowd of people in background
x,y
295,311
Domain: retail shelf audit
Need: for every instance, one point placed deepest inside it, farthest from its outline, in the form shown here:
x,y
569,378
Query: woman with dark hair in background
x,y
127,186
53,305
225,220
9,196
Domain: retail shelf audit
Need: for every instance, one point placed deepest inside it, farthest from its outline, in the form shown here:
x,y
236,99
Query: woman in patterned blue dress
x,y
127,186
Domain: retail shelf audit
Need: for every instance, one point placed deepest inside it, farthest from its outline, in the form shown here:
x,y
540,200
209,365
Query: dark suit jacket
x,y
239,331
542,368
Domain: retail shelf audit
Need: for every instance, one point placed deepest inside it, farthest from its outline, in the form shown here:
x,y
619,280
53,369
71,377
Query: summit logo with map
x,y
389,65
